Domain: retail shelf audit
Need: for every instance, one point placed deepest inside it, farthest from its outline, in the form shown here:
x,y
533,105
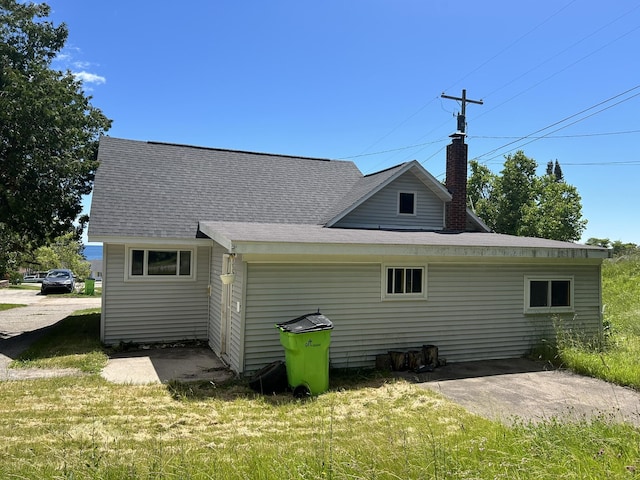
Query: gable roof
x,y
148,189
373,183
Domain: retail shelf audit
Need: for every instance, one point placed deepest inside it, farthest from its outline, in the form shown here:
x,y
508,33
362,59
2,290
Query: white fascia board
x,y
148,240
475,218
430,181
216,236
504,254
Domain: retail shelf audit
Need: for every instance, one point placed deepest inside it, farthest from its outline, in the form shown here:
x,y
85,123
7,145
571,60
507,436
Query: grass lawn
x,y
367,426
73,343
9,306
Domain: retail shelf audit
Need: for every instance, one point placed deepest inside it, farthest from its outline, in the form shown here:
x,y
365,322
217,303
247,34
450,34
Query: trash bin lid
x,y
311,322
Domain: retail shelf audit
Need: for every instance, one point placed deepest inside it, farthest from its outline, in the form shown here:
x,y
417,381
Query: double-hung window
x,y
548,294
404,282
160,263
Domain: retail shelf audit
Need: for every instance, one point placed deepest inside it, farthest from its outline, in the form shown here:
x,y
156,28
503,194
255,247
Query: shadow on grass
x,y
238,388
73,342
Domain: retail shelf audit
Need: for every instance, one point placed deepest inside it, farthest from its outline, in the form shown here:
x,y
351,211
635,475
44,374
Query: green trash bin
x,y
306,341
89,286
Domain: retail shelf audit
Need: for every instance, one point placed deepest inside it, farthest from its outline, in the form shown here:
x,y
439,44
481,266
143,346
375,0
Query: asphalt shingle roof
x,y
238,232
150,189
146,189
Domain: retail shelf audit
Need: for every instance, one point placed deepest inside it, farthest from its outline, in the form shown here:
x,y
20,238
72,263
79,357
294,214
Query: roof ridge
x,y
198,147
386,169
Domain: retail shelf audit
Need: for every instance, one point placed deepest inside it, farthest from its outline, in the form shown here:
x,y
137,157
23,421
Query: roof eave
x,y
476,253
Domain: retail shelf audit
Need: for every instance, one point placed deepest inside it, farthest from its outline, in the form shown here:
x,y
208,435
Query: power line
x,y
403,122
394,149
560,53
589,164
573,123
578,135
564,120
511,45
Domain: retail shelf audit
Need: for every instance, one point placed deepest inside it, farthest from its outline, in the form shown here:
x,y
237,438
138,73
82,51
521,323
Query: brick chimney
x,y
456,183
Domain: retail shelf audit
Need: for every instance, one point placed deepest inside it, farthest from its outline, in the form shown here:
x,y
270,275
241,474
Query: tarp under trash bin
x,y
312,322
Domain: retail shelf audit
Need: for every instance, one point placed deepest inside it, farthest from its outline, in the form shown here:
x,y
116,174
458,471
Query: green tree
x,y
515,191
621,248
64,252
480,191
555,213
518,202
48,133
599,242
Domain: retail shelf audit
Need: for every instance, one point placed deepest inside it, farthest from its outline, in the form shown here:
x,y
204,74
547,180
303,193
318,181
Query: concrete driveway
x,y
521,389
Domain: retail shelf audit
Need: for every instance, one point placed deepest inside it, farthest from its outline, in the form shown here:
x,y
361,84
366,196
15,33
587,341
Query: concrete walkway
x,y
162,365
520,389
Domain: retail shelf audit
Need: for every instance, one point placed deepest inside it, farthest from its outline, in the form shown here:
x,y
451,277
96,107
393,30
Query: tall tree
x,y
48,133
515,190
518,202
480,192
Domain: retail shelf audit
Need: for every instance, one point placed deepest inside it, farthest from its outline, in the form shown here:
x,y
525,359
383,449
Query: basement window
x,y
166,264
404,282
406,203
548,294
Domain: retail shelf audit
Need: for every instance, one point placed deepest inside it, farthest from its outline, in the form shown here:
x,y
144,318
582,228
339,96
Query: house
x,y
96,269
393,258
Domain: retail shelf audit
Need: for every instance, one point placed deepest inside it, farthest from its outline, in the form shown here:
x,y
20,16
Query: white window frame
x,y
548,309
145,277
415,203
403,296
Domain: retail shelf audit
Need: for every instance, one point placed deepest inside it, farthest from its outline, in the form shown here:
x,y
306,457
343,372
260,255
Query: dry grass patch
x,y
84,427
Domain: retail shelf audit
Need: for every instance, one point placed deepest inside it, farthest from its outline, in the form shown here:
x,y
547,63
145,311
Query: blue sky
x,y
362,80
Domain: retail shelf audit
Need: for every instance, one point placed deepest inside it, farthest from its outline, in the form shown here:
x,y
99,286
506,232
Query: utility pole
x,y
462,114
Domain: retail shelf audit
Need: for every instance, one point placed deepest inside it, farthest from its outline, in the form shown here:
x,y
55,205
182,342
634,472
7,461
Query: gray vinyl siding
x,y
473,312
215,298
382,208
236,337
154,311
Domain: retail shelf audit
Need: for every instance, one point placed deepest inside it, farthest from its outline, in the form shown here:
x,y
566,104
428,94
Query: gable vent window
x,y
548,294
406,203
160,263
404,283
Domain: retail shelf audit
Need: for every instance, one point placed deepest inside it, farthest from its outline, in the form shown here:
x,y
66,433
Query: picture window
x,y
160,263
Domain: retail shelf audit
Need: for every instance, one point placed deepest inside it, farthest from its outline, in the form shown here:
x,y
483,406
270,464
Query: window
x,y
404,282
160,263
548,294
406,203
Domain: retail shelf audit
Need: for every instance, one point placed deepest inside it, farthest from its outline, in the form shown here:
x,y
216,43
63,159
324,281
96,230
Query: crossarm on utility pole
x,y
462,115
